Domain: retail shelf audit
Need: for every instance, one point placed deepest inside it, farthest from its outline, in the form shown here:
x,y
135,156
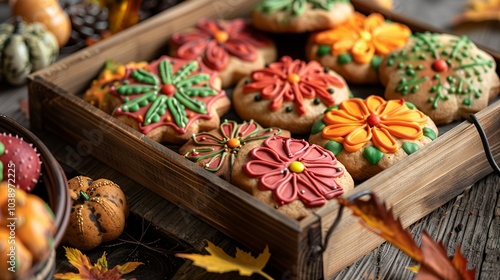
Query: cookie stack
x,y
298,132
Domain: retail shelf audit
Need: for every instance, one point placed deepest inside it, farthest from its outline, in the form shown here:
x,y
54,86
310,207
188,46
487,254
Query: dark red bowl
x,y
53,186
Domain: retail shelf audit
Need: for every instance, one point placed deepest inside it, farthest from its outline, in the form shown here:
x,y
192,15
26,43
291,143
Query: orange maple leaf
x,y
432,256
220,262
98,271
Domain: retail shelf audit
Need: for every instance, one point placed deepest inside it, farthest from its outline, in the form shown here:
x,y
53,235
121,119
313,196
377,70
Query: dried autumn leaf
x,y
479,10
432,256
220,262
98,271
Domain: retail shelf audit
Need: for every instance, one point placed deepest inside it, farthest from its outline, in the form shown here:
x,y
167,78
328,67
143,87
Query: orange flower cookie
x,y
218,149
233,48
171,99
291,175
445,76
298,16
370,135
356,48
289,94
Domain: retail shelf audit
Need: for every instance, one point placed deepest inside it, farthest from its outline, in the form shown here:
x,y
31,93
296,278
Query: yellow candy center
x,y
221,36
293,78
296,167
233,143
365,35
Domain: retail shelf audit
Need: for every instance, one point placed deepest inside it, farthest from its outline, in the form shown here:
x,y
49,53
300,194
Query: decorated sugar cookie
x,y
171,99
289,93
217,150
298,16
445,76
291,175
355,48
370,135
233,48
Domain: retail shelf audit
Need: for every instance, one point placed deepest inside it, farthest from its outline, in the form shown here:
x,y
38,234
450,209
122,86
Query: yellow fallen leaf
x,y
413,268
479,10
220,262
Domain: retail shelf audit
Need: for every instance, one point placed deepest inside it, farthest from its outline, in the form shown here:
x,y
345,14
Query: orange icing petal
x,y
343,46
403,130
373,21
357,139
355,107
341,117
332,36
356,21
339,130
392,107
362,52
408,116
374,102
389,37
383,140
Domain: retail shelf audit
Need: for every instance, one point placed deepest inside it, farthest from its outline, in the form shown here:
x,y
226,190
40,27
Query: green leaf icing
x,y
323,50
410,147
296,7
317,126
429,133
375,62
344,58
334,147
373,155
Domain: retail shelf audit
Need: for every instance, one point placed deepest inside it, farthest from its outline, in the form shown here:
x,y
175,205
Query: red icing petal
x,y
216,56
208,25
228,129
285,189
295,148
258,168
192,49
241,49
183,38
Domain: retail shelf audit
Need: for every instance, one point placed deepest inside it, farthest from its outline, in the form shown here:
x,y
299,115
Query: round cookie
x,y
290,94
298,16
445,76
233,48
355,48
170,99
218,149
291,175
370,135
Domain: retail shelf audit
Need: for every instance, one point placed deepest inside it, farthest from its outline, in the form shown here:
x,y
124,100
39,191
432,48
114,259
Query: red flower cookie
x,y
171,99
290,94
232,48
291,175
445,76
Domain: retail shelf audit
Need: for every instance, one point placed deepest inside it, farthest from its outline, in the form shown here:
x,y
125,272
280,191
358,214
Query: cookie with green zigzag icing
x,y
170,99
445,76
298,16
370,135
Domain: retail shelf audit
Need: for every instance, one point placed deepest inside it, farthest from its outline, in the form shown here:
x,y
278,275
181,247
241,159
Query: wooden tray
x,y
415,186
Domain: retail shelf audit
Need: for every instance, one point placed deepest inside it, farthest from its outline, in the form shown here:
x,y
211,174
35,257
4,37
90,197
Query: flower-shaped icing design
x,y
224,149
293,80
296,7
361,38
453,70
357,121
295,170
216,42
169,92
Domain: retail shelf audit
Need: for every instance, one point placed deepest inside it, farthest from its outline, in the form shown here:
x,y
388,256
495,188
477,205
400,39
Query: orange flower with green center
x,y
357,122
363,37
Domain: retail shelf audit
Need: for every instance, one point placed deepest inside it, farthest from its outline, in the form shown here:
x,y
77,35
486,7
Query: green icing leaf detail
x,y
429,133
296,7
318,126
375,62
410,148
373,155
155,111
334,147
145,76
344,58
323,50
410,105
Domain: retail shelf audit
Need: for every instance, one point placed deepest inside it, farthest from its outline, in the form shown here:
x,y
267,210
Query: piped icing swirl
x,y
293,80
295,170
296,7
168,92
215,42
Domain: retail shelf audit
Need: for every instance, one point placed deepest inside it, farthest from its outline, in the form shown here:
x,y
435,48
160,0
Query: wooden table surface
x,y
157,229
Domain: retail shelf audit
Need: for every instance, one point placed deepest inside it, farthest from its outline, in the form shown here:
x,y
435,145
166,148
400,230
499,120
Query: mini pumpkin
x,y
26,231
98,213
25,48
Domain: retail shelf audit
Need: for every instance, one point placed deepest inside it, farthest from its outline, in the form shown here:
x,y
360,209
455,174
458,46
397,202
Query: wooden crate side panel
x,y
416,186
166,173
